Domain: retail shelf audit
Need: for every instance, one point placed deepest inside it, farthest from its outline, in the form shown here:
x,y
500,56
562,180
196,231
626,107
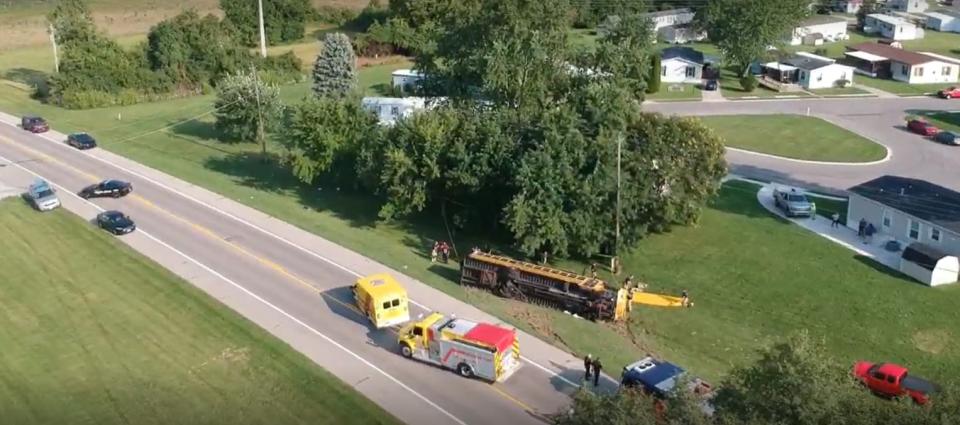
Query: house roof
x,y
923,255
893,53
686,53
919,198
869,57
807,63
668,12
892,20
820,20
943,15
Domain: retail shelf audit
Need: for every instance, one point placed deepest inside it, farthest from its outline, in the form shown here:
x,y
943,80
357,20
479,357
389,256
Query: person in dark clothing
x,y
868,232
444,252
862,228
597,367
587,366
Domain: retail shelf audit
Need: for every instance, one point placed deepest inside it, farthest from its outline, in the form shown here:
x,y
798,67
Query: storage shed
x,y
929,265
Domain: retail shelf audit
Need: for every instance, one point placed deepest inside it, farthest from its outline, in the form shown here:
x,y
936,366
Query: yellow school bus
x,y
381,298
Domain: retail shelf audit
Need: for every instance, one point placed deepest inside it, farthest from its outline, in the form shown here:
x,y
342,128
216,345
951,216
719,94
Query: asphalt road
x,y
881,120
293,291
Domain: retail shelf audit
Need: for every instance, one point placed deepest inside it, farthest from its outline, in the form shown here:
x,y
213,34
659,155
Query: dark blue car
x,y
659,378
81,141
116,222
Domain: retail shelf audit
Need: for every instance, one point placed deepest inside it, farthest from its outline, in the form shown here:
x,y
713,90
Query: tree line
x,y
793,382
186,54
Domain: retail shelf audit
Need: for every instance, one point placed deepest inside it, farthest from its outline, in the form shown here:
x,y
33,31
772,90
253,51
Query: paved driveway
x,y
878,119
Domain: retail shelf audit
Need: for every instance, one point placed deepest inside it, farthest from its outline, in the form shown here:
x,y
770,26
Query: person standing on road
x,y
587,366
597,367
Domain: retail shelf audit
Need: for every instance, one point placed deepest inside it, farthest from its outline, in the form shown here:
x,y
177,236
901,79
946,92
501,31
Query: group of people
x,y
592,367
440,250
866,231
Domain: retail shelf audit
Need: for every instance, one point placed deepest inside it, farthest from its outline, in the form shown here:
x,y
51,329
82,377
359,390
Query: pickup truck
x,y
659,378
892,380
793,203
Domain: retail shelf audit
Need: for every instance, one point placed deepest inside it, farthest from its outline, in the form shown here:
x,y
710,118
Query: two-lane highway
x,y
297,286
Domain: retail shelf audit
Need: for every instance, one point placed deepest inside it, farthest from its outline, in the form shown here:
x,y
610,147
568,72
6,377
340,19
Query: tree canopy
x,y
335,70
283,20
744,29
242,101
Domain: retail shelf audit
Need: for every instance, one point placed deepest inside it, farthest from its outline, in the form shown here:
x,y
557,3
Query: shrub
x,y
749,82
653,85
843,83
86,99
338,16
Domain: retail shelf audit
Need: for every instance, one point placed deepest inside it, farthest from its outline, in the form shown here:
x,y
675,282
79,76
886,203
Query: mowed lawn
x,y
93,333
794,136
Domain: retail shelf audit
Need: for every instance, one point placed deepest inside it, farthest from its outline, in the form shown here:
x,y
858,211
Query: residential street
x,y
881,120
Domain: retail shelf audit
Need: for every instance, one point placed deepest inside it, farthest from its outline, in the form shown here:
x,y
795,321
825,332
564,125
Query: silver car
x,y
793,203
42,196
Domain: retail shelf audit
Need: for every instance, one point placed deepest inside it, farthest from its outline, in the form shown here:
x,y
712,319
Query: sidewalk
x,y
713,96
843,235
878,92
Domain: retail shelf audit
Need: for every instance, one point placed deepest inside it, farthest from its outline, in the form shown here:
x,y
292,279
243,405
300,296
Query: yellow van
x,y
381,298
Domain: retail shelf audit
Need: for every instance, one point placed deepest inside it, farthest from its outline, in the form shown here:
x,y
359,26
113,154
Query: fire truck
x,y
470,348
585,296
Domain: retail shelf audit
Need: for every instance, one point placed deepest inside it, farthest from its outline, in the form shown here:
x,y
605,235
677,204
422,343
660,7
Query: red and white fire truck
x,y
471,348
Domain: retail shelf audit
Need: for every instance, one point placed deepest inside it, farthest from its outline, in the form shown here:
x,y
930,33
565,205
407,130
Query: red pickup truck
x,y
892,380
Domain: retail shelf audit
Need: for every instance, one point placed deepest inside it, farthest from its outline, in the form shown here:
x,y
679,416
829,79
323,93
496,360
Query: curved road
x,y
879,119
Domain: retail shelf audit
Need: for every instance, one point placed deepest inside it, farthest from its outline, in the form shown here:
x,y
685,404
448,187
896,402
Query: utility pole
x,y
260,135
263,37
616,247
56,54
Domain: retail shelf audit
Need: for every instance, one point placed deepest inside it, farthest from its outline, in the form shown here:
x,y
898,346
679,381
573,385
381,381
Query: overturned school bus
x,y
577,294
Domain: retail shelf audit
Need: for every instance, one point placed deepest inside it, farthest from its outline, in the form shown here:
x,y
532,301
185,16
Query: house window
x,y
946,70
803,75
395,111
913,230
918,71
904,70
820,77
935,234
886,220
691,72
663,70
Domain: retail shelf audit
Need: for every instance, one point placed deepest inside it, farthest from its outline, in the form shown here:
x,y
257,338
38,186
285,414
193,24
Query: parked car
x,y
42,196
950,93
948,138
922,127
116,222
710,85
793,203
34,124
81,141
892,380
114,188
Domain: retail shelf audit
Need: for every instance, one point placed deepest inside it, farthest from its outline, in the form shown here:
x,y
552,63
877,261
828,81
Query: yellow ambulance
x,y
381,298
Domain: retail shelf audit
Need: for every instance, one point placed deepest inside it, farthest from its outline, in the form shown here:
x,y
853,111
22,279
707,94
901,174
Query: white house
x,y
909,6
929,265
666,18
908,210
819,27
891,27
390,109
405,79
945,21
809,71
680,34
903,65
681,65
848,6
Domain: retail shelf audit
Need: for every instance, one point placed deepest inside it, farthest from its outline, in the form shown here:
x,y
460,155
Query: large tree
x,y
335,70
243,102
283,20
744,29
324,134
71,21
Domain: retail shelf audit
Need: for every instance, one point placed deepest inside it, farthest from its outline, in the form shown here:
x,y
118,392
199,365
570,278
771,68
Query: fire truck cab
x,y
472,349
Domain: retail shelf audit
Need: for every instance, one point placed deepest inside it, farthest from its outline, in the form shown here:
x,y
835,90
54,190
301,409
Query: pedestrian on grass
x,y
545,255
593,270
835,220
587,366
685,299
444,252
435,251
597,367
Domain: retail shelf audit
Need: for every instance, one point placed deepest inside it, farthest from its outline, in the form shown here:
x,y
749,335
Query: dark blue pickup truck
x,y
659,378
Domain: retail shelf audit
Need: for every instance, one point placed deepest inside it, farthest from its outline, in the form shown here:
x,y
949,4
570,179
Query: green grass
x,y
899,87
794,136
943,120
837,91
92,332
731,89
680,92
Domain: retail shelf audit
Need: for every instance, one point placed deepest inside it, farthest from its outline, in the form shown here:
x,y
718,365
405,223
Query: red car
x,y
922,127
34,124
950,93
892,380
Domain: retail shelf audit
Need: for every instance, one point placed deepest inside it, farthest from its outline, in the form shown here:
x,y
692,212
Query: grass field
x,y
838,91
794,136
944,120
676,92
95,333
900,88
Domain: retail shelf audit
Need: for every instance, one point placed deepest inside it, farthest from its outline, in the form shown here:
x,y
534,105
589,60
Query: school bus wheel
x,y
465,370
406,350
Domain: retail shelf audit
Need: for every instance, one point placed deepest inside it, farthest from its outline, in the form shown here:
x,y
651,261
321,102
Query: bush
x,y
338,16
653,85
842,83
749,82
86,99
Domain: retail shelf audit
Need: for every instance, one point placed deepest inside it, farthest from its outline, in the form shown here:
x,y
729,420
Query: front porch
x,y
780,77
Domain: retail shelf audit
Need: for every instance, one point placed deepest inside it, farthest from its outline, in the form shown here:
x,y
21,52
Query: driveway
x,y
878,119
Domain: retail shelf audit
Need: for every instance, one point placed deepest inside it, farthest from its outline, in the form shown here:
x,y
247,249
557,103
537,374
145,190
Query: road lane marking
x,y
260,299
266,232
267,262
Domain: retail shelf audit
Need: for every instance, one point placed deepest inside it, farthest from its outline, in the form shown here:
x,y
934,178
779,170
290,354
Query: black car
x,y
115,222
114,188
81,141
711,85
34,124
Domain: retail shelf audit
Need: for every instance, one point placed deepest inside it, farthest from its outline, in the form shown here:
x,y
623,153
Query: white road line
x,y
269,233
258,298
